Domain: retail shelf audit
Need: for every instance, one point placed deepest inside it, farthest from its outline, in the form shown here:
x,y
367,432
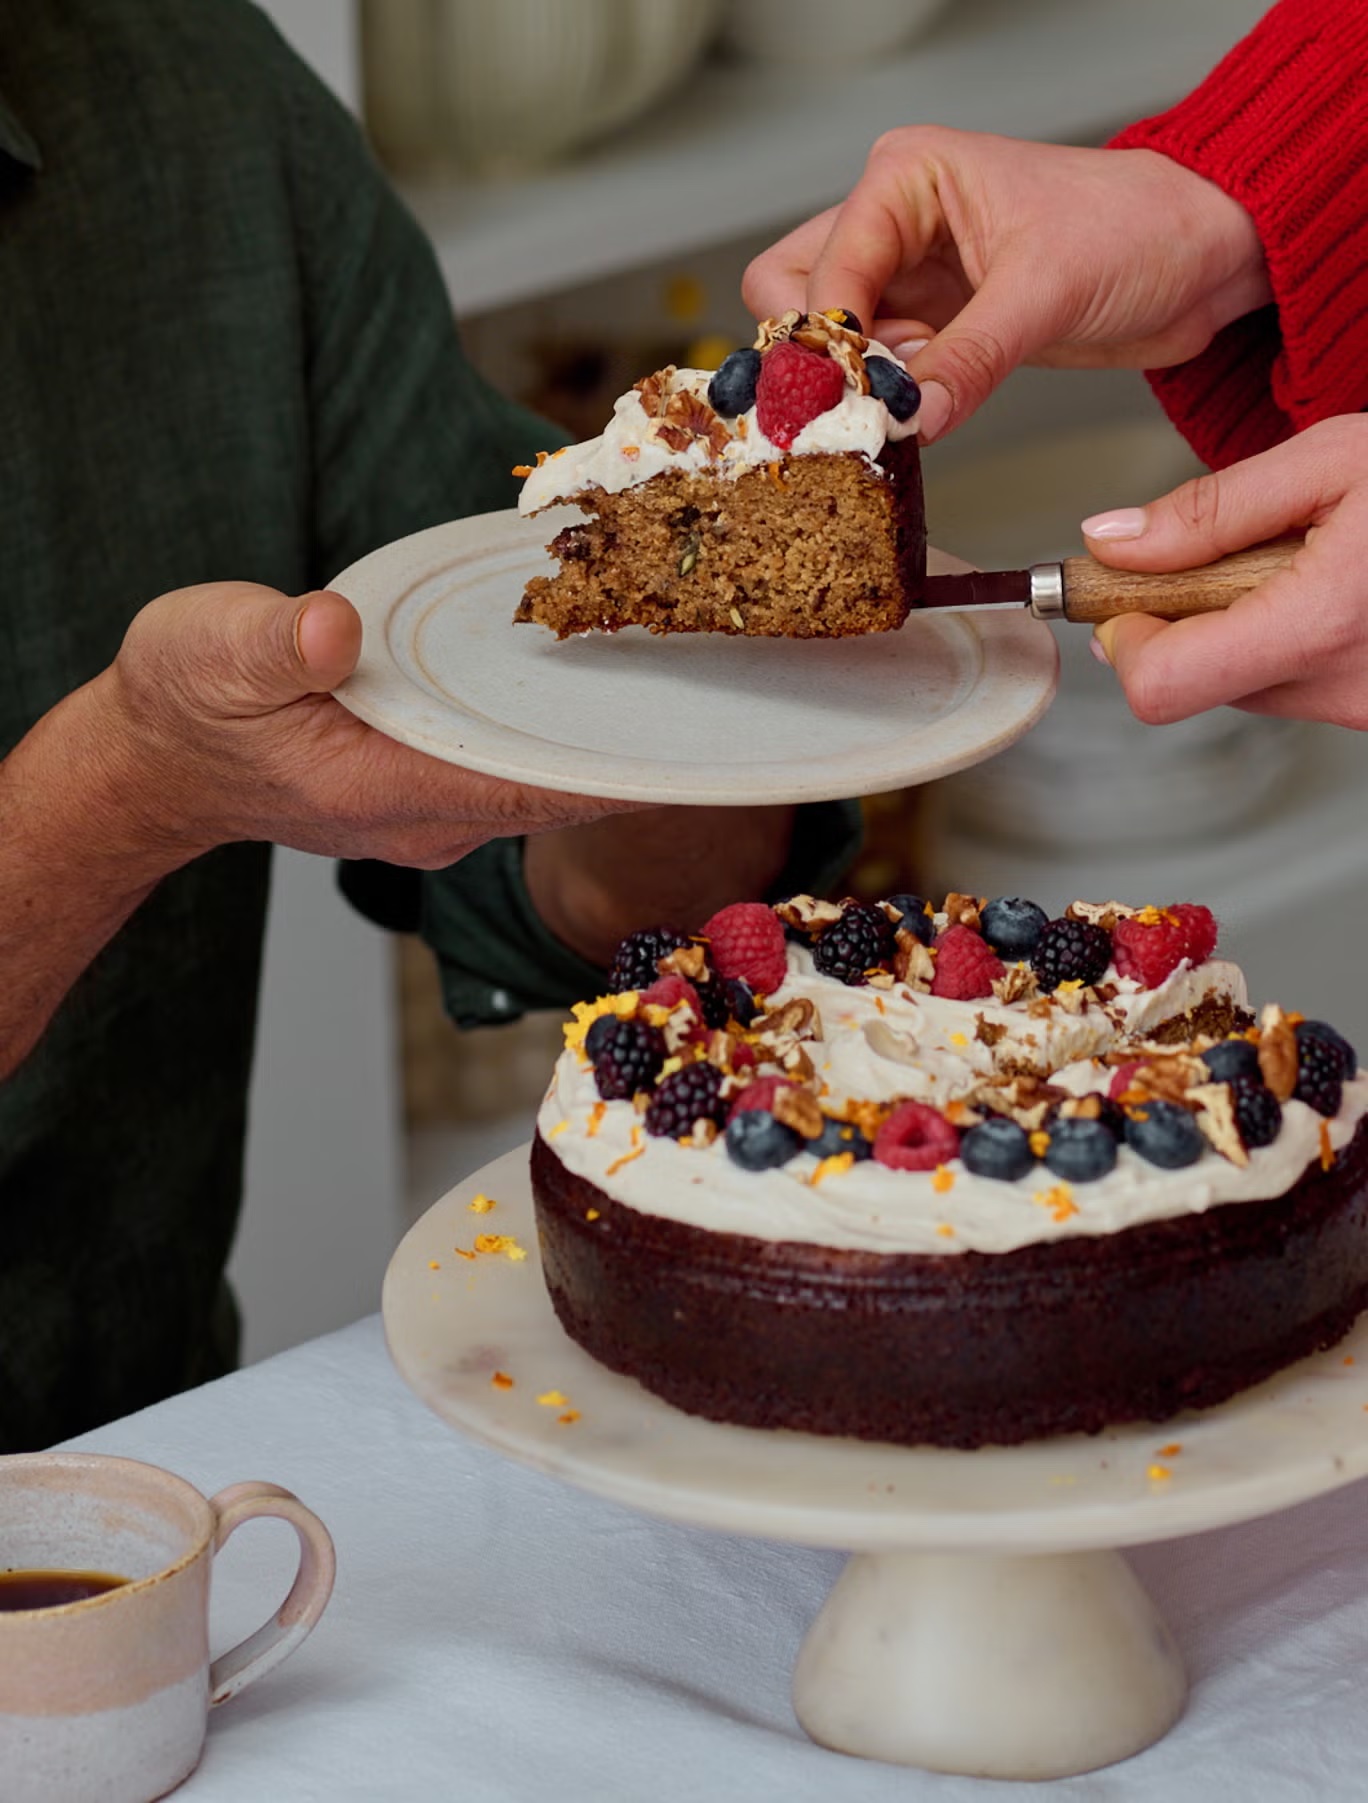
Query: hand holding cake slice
x,y
779,496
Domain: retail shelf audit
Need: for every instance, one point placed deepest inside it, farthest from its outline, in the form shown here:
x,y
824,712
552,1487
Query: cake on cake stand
x,y
986,1623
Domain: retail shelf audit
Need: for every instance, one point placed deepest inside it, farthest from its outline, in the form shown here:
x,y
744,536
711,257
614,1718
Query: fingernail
x,y
1102,642
906,351
937,404
1124,522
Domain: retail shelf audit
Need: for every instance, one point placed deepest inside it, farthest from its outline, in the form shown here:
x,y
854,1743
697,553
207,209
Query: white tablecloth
x,y
496,1637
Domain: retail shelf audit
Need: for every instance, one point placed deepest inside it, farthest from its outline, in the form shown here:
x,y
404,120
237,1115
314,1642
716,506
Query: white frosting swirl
x,y
925,1046
629,451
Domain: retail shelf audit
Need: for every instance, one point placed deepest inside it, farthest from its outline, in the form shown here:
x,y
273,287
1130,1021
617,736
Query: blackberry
x,y
861,939
629,1058
715,1002
1326,1034
686,1096
837,1137
1319,1082
1012,926
1080,1150
1258,1113
634,962
998,1148
742,999
1070,951
913,915
1165,1134
732,389
892,385
1231,1060
757,1141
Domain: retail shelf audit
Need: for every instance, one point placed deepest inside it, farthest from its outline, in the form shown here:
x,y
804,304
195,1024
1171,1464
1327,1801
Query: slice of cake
x,y
962,1176
780,495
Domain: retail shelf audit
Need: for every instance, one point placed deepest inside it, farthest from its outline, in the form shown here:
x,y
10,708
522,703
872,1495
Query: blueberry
x,y
1165,1134
840,1136
1231,1059
1080,1150
732,389
913,916
892,385
742,999
1321,1030
998,1148
598,1032
757,1141
844,317
1012,926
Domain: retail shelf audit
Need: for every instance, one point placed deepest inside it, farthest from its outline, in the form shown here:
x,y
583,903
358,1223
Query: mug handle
x,y
294,1619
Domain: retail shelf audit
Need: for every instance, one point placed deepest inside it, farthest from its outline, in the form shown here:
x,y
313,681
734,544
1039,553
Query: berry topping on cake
x,y
1320,1063
1080,1150
842,316
795,386
637,957
1232,1059
746,941
999,1148
1012,926
1323,1031
598,1032
685,1096
1164,1134
628,1058
740,1000
669,992
758,1096
1258,1113
860,941
840,1136
966,967
916,1138
1070,951
914,913
890,383
1149,946
732,389
758,1142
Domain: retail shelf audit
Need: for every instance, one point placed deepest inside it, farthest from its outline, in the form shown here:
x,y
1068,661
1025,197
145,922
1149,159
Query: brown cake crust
x,y
968,1349
812,546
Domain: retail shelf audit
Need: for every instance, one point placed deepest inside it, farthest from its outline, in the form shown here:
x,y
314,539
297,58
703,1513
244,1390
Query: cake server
x,y
1083,590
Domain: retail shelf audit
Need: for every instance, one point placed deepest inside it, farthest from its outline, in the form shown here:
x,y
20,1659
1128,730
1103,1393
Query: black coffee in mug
x,y
48,1589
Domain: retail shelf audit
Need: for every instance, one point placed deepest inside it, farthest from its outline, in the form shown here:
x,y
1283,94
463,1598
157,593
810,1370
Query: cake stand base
x,y
1007,1666
985,1623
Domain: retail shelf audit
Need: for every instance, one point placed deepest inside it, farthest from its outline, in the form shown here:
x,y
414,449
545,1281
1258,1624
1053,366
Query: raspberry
x,y
668,992
1319,1083
747,941
1258,1114
1150,952
1070,951
630,1054
688,1095
966,967
634,962
795,385
1123,1078
759,1094
915,1138
860,941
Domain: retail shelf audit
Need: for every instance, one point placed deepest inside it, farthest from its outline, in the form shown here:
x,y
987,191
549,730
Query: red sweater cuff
x,y
1281,125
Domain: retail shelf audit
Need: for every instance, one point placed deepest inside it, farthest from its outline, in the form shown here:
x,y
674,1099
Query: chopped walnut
x,y
1277,1052
1018,984
687,961
797,1017
807,915
964,910
1027,1100
774,331
798,1109
1099,914
913,962
796,1064
879,979
703,1132
1216,1118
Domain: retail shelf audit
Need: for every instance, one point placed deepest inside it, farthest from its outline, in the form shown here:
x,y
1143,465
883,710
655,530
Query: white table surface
x,y
497,1636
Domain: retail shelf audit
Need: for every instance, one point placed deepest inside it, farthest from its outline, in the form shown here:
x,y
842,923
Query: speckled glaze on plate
x,y
697,719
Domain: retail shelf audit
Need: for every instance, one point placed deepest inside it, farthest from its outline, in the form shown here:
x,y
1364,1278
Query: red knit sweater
x,y
1282,126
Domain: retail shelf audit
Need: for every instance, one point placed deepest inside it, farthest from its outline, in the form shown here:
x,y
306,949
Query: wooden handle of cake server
x,y
1094,591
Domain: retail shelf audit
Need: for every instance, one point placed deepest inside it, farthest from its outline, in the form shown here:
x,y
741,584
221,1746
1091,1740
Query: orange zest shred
x,y
631,452
482,1204
1059,1201
434,1264
1039,1141
461,1252
945,1230
568,1419
1349,1358
558,1129
1157,1473
502,1244
834,1166
777,475
501,1381
591,1214
626,1158
1172,1450
943,1180
595,1121
522,469
542,457
553,1399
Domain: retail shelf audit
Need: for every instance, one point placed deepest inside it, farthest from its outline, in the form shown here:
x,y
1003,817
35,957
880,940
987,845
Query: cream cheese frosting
x,y
630,450
876,1045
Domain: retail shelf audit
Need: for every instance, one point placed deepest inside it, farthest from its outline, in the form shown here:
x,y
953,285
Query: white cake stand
x,y
985,1623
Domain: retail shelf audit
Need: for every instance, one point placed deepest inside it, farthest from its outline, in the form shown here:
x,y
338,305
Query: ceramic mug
x,y
105,1700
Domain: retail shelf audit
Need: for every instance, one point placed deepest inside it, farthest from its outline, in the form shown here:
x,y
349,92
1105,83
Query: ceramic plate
x,y
689,718
452,1322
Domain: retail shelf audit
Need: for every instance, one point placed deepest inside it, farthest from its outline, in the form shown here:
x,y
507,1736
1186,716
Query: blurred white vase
x,y
508,86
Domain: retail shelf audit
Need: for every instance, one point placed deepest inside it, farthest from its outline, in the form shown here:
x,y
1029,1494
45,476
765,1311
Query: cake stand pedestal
x,y
986,1623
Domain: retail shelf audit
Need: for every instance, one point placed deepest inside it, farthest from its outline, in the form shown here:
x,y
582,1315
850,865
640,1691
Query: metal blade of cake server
x,y
974,591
